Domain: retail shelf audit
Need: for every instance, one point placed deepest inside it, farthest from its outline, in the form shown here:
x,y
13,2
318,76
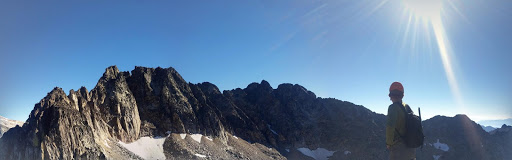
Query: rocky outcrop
x,y
168,103
503,138
116,105
461,138
257,122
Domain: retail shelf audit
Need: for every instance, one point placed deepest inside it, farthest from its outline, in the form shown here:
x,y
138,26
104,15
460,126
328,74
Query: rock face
x,y
461,138
71,126
258,122
6,124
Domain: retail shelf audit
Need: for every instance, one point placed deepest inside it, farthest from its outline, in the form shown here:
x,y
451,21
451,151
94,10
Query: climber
x,y
395,126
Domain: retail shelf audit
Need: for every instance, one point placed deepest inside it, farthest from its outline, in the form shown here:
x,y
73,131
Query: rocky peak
x,y
111,72
462,117
209,88
505,129
55,98
83,91
287,90
56,94
263,87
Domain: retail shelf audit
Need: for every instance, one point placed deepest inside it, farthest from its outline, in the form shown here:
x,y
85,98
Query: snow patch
x,y
436,157
317,154
196,137
208,138
183,136
271,130
441,146
168,132
235,137
147,147
347,152
200,155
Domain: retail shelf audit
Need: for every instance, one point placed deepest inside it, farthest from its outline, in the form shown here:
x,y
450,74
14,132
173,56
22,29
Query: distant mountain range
x,y
6,124
488,128
496,123
153,113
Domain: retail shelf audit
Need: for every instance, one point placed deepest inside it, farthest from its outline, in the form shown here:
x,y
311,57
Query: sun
x,y
426,10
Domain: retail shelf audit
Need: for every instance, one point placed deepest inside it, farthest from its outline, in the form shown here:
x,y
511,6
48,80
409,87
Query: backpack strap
x,y
396,130
407,109
402,106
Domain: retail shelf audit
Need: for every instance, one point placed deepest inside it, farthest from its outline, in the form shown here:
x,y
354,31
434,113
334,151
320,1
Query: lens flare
x,y
429,12
425,10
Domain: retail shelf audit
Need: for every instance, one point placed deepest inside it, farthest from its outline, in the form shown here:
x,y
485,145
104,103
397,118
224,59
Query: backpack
x,y
413,137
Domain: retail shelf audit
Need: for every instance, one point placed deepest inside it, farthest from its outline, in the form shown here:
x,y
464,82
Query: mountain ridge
x,y
496,123
287,122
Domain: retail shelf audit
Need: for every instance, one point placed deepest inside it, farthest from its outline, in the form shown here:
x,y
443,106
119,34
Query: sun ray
x,y
407,31
446,58
427,14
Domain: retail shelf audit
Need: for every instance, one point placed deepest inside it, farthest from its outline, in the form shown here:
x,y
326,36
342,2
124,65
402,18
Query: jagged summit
x,y
111,72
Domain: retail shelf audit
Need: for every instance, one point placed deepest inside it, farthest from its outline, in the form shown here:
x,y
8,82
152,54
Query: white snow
x,y
196,137
436,157
147,147
272,130
183,135
168,132
200,155
347,152
317,154
235,137
441,146
208,138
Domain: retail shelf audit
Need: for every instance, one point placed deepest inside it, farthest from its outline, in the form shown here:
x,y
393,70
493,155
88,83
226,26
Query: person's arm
x,y
391,125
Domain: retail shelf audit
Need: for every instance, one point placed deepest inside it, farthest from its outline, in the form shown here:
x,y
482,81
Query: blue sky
x,y
349,50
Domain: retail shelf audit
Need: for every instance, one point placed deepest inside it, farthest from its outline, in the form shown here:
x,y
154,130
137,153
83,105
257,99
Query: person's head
x,y
396,92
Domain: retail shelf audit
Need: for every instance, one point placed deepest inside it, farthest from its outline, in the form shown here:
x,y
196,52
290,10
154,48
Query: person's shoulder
x,y
393,106
407,107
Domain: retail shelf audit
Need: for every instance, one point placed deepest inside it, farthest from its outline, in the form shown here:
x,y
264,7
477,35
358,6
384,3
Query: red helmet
x,y
396,86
